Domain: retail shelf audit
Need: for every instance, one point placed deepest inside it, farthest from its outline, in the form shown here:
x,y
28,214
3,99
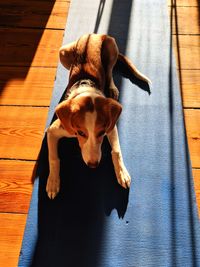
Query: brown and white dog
x,y
87,113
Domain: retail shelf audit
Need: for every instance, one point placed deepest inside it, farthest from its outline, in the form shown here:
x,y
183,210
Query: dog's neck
x,y
81,87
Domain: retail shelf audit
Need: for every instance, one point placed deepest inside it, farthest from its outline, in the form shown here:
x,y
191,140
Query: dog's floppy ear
x,y
114,110
64,112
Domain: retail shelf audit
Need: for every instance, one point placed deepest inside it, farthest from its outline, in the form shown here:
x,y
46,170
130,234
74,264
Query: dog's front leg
x,y
54,133
121,172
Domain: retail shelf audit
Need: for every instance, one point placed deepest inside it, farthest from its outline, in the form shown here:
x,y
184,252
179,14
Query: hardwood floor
x,y
31,33
30,37
186,43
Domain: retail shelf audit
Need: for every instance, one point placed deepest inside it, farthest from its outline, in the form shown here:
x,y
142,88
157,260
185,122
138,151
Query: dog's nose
x,y
93,164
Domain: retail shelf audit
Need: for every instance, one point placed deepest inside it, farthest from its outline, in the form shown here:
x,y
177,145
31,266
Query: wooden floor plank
x,y
188,3
185,20
21,131
11,232
192,121
26,86
39,14
191,88
15,185
196,175
189,51
29,47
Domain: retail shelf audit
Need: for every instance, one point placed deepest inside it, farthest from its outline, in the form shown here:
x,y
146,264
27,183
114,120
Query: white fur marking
x,y
90,119
91,150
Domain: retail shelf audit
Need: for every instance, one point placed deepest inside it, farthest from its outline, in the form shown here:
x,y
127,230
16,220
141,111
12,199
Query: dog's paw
x,y
114,93
123,177
53,187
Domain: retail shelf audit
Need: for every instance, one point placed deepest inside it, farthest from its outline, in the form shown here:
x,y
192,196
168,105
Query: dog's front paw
x,y
121,172
123,177
53,186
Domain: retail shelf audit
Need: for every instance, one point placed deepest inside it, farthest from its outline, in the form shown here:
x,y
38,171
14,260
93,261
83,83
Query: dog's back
x,y
87,60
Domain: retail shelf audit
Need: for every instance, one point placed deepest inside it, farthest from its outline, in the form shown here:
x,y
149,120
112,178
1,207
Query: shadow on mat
x,y
72,224
99,15
174,222
115,29
71,227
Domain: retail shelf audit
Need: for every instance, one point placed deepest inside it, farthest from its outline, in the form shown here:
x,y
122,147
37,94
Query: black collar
x,y
84,82
74,90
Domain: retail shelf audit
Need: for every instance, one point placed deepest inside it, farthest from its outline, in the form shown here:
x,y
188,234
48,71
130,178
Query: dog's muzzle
x,y
93,164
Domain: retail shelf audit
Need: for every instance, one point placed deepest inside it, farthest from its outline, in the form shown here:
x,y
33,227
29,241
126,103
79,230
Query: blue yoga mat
x,y
93,222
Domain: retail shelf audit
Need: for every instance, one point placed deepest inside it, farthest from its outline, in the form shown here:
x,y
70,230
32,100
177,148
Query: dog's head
x,y
89,119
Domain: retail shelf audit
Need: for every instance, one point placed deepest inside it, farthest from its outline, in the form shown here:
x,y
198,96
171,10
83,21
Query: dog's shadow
x,y
74,221
97,187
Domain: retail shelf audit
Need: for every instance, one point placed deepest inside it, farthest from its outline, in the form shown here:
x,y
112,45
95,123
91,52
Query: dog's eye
x,y
81,133
100,133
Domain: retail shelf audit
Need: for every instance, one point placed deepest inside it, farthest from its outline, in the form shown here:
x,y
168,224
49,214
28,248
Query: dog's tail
x,y
125,61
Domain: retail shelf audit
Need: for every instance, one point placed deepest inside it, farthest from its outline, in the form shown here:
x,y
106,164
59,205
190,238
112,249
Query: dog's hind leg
x,y
67,54
109,55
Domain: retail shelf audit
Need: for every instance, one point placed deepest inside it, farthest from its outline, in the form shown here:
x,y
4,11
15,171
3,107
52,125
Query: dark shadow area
x,y
174,21
119,28
73,223
174,222
21,27
190,185
171,155
99,15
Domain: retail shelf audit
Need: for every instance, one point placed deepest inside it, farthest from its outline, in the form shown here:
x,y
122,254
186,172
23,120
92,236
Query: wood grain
x,y
188,3
196,175
189,51
26,86
11,232
15,185
29,47
21,131
39,14
191,88
192,121
185,20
